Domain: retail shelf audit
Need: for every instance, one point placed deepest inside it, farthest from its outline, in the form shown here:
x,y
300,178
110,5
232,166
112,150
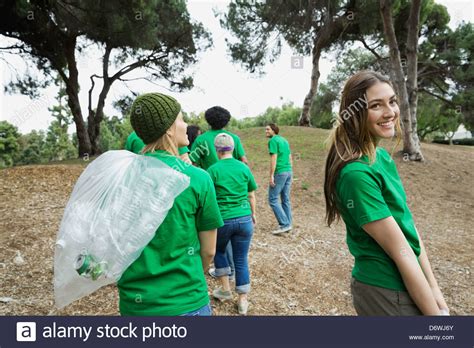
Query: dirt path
x,y
306,272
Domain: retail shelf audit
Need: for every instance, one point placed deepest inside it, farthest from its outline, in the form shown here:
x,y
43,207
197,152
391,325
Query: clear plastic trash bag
x,y
116,206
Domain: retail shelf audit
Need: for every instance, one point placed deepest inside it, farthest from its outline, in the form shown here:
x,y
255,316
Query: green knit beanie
x,y
152,115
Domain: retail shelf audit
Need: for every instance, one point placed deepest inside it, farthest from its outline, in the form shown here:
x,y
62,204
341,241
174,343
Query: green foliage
x,y
322,114
123,105
463,73
467,141
286,115
259,28
57,145
197,120
446,68
9,146
31,148
114,133
435,117
157,36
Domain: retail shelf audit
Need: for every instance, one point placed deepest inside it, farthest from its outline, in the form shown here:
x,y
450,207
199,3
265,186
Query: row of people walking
x,y
391,275
226,181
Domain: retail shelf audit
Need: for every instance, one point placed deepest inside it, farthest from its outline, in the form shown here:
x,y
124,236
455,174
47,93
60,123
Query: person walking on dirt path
x,y
281,176
168,276
392,274
204,155
235,189
203,152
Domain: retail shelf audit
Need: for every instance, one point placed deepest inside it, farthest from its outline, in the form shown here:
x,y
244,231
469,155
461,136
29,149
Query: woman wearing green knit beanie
x,y
168,277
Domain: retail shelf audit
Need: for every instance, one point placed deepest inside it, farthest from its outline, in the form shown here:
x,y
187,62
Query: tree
x,y
58,145
308,26
156,36
322,115
436,117
31,148
463,73
444,56
9,146
411,144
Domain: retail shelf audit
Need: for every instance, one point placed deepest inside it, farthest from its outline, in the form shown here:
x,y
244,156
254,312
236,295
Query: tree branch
x,y
90,91
361,39
447,101
137,64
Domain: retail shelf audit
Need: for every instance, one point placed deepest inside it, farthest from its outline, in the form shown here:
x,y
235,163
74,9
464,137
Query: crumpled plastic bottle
x,y
116,206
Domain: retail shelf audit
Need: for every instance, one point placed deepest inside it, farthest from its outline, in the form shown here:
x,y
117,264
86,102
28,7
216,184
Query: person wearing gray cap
x,y
235,191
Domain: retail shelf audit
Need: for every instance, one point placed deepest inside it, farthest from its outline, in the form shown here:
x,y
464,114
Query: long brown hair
x,y
350,139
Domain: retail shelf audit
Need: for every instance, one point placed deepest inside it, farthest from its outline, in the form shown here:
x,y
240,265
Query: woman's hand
x,y
390,237
254,219
440,300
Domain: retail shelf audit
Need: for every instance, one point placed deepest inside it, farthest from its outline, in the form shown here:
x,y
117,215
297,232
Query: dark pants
x,y
372,300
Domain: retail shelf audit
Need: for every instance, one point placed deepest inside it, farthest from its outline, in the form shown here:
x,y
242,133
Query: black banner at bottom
x,y
239,332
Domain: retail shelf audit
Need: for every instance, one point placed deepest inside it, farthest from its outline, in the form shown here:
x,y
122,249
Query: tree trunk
x,y
412,73
95,117
322,40
398,79
72,90
305,117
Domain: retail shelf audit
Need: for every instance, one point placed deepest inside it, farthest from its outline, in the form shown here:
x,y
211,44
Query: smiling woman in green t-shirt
x,y
391,273
168,276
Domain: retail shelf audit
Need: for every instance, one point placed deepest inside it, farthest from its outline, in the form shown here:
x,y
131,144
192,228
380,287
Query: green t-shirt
x,y
279,146
183,150
368,193
135,144
204,153
167,278
233,181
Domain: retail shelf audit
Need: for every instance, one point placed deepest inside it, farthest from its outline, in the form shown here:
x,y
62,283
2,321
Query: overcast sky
x,y
217,81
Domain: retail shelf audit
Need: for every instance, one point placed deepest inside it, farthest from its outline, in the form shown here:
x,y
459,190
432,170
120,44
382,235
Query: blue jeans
x,y
281,190
230,259
205,311
239,231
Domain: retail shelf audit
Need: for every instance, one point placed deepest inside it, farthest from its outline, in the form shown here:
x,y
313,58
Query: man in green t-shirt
x,y
203,152
281,164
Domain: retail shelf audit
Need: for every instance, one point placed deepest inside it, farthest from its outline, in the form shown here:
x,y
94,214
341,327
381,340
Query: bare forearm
x,y
428,272
207,239
389,236
426,267
416,284
206,260
253,204
425,264
273,164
